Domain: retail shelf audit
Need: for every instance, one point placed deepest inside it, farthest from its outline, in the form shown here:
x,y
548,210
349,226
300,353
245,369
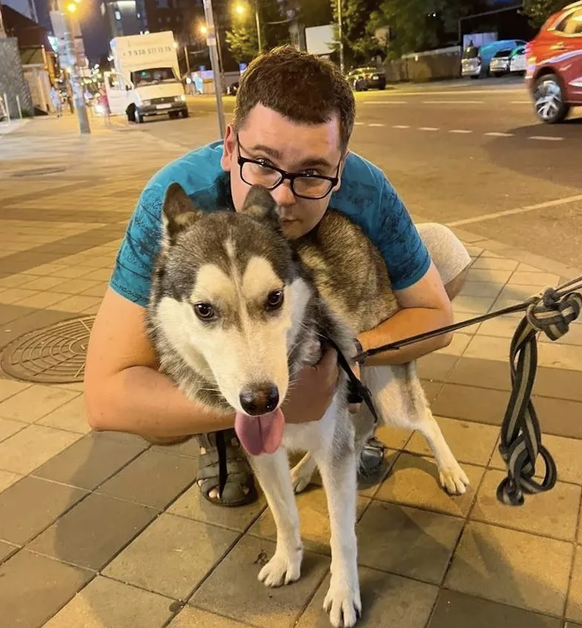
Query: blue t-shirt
x,y
365,196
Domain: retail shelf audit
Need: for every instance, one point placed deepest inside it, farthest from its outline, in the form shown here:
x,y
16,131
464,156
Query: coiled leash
x,y
551,313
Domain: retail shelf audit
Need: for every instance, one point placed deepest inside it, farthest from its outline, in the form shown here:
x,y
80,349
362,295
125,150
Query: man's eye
x,y
311,173
265,163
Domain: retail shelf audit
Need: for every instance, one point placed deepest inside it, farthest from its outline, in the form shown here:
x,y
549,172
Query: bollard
x,y
18,105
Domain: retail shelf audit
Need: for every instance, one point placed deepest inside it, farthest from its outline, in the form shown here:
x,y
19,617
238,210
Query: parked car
x,y
517,62
554,65
500,63
362,79
475,61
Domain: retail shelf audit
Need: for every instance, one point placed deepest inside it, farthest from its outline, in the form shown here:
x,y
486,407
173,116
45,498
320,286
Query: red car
x,y
554,65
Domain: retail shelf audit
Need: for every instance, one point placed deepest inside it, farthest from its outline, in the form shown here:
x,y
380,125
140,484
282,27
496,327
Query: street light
x,y
70,53
203,29
240,9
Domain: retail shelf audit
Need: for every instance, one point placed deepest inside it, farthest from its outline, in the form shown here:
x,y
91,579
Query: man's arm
x,y
125,392
426,306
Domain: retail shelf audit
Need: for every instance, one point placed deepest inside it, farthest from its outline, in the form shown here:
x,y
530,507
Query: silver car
x,y
500,63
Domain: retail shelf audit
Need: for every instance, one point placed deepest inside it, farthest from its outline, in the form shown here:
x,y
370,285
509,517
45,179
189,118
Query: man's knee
x,y
455,285
449,255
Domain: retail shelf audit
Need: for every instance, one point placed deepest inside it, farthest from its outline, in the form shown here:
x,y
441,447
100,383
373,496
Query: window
x,y
571,24
117,15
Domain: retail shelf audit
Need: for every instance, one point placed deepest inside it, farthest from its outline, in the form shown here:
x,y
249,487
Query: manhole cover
x,y
53,355
36,172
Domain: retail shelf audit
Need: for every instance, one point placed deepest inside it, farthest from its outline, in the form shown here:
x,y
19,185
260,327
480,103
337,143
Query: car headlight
x,y
146,103
181,98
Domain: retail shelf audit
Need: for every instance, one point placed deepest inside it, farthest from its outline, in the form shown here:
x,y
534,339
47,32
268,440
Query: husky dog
x,y
236,310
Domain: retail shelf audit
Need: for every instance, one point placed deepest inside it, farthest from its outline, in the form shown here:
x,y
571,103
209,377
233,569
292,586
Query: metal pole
x,y
258,20
19,107
214,62
186,54
80,104
340,34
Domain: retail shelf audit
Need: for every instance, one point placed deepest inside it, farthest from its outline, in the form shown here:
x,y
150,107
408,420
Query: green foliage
x,y
360,44
539,11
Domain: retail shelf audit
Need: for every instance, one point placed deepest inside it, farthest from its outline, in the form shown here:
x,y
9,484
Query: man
x,y
294,116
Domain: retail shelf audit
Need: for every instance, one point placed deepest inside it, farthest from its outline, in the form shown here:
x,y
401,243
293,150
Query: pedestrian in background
x,y
57,102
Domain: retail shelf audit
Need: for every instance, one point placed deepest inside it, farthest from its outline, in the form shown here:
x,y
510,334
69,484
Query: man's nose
x,y
283,194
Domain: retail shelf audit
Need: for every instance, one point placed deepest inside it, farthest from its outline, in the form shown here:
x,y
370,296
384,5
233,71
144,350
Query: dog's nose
x,y
259,399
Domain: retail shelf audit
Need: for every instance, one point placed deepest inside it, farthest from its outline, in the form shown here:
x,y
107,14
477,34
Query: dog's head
x,y
227,294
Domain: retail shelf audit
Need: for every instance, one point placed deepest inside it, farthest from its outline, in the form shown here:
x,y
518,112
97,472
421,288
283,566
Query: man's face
x,y
296,148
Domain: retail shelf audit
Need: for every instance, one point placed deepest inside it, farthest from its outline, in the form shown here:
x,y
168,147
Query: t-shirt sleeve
x,y
402,248
131,276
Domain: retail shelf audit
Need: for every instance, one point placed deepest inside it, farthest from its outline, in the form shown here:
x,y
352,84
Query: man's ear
x,y
261,205
341,171
228,148
179,212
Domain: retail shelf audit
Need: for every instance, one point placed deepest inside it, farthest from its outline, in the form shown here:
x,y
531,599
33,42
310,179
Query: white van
x,y
146,78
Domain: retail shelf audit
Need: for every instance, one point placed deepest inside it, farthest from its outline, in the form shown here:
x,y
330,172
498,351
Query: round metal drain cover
x,y
37,172
52,355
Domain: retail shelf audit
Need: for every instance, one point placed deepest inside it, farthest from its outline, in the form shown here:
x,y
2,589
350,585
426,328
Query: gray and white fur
x,y
335,284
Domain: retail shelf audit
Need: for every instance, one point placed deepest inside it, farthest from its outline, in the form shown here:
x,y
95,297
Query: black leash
x,y
550,313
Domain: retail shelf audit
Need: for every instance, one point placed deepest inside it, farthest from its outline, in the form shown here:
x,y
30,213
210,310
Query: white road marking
x,y
376,124
521,102
546,138
458,92
427,128
519,210
460,131
401,126
358,123
498,134
453,102
384,102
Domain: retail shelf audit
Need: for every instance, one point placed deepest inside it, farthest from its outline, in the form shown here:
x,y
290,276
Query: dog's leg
x,y
452,476
401,402
273,474
337,466
302,473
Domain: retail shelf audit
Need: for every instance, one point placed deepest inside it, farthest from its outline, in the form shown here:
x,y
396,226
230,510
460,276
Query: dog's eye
x,y
274,300
204,311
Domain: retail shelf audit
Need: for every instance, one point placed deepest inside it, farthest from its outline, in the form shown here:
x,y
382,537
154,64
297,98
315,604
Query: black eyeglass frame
x,y
290,176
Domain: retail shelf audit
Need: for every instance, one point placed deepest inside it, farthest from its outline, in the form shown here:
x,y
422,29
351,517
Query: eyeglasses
x,y
303,185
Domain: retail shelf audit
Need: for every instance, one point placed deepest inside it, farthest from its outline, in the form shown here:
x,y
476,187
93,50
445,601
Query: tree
x,y
539,11
242,39
360,44
416,25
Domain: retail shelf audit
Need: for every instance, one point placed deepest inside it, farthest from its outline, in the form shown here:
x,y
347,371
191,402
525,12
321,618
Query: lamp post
x,y
240,9
215,63
71,56
340,35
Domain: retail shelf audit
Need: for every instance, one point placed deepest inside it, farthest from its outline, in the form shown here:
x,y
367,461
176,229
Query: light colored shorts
x,y
446,250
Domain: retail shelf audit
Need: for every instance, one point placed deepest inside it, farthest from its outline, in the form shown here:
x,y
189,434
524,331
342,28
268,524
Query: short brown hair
x,y
298,86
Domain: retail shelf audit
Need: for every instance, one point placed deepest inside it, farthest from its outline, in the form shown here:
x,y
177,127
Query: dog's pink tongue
x,y
260,434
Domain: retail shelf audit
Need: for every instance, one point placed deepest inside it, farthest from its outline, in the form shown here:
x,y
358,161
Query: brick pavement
x,y
103,531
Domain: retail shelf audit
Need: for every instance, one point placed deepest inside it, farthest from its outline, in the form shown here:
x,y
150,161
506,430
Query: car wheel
x,y
549,99
130,113
138,117
185,113
475,77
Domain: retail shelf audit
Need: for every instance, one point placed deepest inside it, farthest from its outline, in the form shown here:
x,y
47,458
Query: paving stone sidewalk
x,y
104,531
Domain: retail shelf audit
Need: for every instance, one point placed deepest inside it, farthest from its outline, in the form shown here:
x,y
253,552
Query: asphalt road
x,y
465,153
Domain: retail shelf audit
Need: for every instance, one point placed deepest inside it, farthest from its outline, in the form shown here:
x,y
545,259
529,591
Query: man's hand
x,y
311,394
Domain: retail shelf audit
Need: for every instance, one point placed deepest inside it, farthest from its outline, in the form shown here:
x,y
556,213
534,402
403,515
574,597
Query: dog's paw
x,y
454,479
281,569
343,603
300,478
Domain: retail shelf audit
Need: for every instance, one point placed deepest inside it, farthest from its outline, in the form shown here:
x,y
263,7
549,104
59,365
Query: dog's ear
x,y
261,205
179,212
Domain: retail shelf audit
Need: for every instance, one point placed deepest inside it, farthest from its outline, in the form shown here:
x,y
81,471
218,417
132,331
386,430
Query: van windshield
x,y
153,77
